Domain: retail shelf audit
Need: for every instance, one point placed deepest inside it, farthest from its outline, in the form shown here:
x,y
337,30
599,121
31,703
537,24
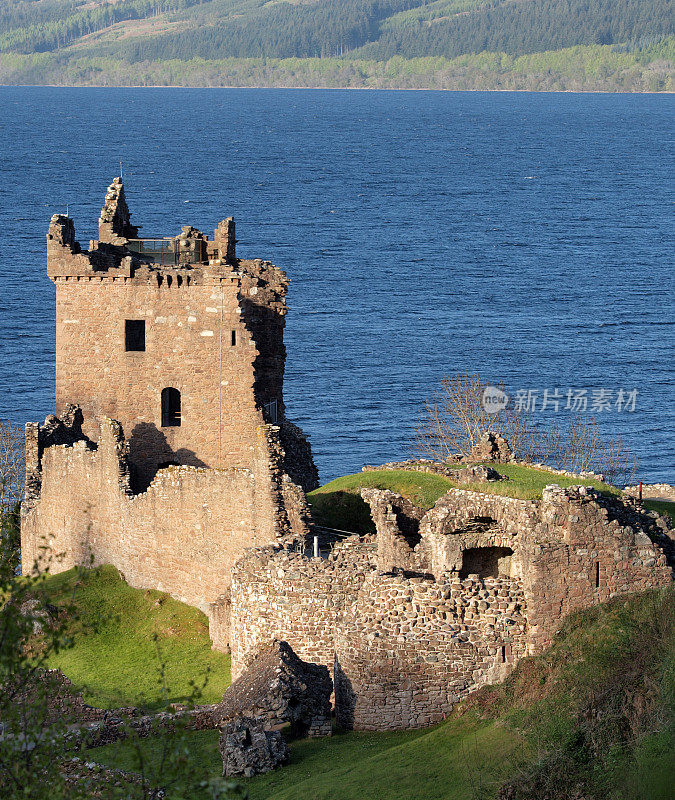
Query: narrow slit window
x,y
233,340
597,574
503,654
134,335
171,408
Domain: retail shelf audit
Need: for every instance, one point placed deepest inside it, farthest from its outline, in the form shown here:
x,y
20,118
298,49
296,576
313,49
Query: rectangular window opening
x,y
597,574
233,340
134,335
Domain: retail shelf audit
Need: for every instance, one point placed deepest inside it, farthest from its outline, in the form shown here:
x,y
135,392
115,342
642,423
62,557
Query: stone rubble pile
x,y
249,748
277,689
477,474
491,447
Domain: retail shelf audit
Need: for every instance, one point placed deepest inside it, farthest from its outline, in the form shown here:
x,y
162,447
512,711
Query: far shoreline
x,y
328,88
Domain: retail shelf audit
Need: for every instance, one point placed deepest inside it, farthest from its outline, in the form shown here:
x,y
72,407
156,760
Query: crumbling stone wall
x,y
593,548
491,447
659,491
397,522
411,648
114,223
419,624
181,536
572,549
298,462
285,594
464,519
448,469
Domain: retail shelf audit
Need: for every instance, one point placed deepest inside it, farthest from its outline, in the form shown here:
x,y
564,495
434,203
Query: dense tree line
x,y
528,27
363,28
327,28
31,27
23,13
370,29
605,68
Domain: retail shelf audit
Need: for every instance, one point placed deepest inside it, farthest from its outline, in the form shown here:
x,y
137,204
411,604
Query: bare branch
x,y
12,464
455,419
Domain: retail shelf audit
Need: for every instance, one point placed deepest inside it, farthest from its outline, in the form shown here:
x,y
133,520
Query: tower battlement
x,y
119,252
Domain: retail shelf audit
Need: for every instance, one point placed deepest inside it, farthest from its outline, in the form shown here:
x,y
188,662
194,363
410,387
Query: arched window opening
x,y
171,415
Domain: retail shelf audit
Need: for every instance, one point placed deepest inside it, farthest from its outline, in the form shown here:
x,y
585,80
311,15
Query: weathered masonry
x,y
176,339
172,458
171,451
437,604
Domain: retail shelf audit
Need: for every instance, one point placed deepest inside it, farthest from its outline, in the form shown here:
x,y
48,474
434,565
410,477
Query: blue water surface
x,y
527,236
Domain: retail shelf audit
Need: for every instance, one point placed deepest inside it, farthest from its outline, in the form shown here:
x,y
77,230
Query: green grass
x,y
339,505
591,717
205,760
442,763
123,635
528,482
664,507
599,705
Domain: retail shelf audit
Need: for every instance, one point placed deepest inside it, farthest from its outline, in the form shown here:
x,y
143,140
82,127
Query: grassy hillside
x,y
438,764
122,636
218,42
338,504
599,705
592,717
664,507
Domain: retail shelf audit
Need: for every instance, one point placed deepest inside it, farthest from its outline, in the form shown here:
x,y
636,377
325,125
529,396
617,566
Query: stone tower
x,y
171,453
175,338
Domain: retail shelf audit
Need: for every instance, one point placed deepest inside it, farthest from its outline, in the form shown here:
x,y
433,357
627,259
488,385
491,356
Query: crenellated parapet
x,y
186,258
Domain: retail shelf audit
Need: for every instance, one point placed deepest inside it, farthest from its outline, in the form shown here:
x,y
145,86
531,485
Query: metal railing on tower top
x,y
160,251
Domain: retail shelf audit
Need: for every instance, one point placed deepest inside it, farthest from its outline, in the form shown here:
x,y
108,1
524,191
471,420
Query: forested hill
x,y
92,41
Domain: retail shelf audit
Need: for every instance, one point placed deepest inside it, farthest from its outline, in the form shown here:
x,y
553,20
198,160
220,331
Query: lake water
x,y
527,236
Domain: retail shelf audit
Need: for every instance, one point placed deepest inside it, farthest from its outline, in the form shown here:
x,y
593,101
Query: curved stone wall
x,y
411,648
284,594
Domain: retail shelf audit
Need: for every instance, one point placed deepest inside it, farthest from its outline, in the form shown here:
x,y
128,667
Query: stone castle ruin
x,y
172,458
171,452
438,603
